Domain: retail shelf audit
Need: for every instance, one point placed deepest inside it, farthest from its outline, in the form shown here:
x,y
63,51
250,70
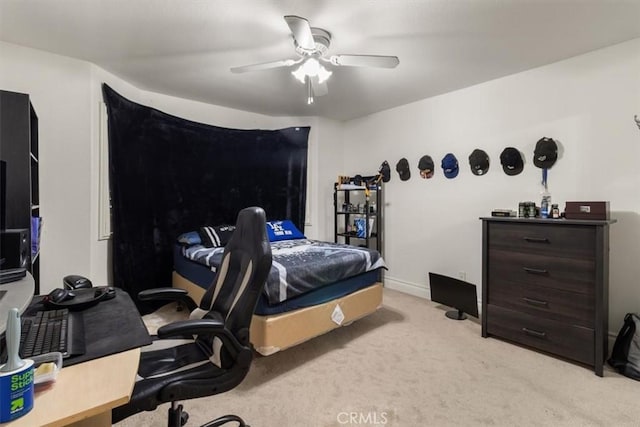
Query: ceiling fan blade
x,y
379,61
264,65
319,89
301,31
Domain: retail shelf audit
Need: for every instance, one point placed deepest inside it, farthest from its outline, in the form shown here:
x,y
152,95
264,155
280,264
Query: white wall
x,y
66,94
59,88
330,161
586,103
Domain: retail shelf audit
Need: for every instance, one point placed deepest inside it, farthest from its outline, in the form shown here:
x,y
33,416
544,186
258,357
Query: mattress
x,y
199,277
300,265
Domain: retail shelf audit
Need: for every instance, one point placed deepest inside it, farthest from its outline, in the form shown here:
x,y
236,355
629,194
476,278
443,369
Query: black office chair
x,y
210,353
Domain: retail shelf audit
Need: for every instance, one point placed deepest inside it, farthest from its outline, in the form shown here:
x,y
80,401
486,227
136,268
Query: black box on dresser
x,y
545,285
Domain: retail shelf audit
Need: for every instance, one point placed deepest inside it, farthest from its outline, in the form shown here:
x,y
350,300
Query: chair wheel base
x,y
226,419
177,417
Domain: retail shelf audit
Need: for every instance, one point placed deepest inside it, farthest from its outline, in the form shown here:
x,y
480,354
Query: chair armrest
x,y
168,294
213,327
191,327
162,293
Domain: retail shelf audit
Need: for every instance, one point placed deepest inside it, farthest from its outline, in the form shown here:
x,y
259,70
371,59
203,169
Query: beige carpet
x,y
408,365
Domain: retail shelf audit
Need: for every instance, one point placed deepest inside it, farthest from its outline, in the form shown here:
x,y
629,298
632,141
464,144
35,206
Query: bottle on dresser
x,y
545,204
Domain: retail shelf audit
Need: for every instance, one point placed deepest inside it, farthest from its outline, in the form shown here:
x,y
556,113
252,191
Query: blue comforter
x,y
301,265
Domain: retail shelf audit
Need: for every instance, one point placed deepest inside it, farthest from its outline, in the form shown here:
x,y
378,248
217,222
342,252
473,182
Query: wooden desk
x,y
89,386
84,394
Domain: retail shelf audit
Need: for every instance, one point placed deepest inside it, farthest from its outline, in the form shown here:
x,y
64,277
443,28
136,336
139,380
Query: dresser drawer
x,y
564,240
569,307
569,274
573,342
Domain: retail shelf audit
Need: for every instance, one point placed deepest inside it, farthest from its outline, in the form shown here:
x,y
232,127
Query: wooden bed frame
x,y
273,333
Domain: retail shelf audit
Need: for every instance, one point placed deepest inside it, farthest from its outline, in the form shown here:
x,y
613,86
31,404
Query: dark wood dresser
x,y
545,285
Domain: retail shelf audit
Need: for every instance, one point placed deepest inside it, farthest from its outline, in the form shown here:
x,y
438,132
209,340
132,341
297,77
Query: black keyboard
x,y
52,330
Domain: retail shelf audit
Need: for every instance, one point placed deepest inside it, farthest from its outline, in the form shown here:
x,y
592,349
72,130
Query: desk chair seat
x,y
210,353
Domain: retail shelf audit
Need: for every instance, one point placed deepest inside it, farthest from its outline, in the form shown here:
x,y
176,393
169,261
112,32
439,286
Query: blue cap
x,y
450,166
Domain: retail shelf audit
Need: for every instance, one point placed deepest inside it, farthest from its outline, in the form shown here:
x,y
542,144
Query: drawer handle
x,y
535,270
536,239
533,333
536,302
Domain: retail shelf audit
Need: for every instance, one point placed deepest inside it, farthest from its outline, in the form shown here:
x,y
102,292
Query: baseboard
x,y
415,289
407,287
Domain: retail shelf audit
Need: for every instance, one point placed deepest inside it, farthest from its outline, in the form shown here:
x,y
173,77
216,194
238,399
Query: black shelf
x,y
355,235
357,213
367,204
19,149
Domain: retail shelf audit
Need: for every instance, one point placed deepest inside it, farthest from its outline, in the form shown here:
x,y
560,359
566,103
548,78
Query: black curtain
x,y
169,175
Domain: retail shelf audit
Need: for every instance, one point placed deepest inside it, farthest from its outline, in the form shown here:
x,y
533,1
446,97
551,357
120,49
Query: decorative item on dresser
x,y
545,285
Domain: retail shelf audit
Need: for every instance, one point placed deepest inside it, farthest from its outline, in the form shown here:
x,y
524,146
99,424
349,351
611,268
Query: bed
x,y
313,287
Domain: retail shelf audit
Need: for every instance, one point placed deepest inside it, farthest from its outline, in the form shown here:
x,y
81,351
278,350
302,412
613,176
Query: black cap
x,y
479,162
511,160
545,153
403,169
385,171
426,166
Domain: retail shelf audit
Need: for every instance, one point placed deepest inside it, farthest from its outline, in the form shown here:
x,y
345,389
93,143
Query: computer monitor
x,y
454,293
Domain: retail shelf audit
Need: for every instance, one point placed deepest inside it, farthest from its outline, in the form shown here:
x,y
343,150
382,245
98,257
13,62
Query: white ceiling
x,y
186,47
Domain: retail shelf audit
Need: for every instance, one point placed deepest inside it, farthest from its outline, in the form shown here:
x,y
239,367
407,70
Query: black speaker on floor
x,y
14,248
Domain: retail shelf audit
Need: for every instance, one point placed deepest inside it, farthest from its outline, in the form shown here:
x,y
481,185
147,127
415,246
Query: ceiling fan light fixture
x,y
299,74
311,67
323,74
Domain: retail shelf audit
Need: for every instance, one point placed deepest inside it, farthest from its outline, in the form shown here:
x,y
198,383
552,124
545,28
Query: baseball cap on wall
x,y
385,171
511,160
479,162
426,167
545,153
450,166
402,167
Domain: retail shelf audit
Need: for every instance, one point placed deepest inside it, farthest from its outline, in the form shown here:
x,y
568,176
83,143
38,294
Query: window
x,y
104,199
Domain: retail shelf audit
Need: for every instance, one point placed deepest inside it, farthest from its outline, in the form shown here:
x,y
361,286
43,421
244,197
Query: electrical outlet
x,y
462,275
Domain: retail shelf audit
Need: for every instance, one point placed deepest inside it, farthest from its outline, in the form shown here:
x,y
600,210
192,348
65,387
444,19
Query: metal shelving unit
x,y
359,205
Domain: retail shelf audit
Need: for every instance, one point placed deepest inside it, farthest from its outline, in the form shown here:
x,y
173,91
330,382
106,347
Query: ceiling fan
x,y
311,44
